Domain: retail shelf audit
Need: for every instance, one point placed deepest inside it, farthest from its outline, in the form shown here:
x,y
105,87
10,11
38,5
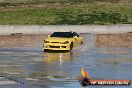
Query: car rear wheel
x,y
71,46
81,42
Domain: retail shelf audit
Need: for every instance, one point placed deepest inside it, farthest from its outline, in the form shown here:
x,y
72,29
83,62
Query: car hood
x,y
57,39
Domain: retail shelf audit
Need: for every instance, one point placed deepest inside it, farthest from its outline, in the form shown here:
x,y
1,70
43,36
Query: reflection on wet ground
x,y
30,67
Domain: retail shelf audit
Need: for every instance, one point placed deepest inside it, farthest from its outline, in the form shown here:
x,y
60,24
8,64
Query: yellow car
x,y
62,41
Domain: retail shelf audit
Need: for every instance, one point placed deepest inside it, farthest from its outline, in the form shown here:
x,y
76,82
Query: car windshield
x,y
62,34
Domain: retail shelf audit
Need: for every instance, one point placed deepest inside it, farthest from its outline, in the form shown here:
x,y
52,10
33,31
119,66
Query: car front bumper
x,y
51,46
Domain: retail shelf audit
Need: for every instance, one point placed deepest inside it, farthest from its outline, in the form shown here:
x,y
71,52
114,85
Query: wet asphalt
x,y
30,67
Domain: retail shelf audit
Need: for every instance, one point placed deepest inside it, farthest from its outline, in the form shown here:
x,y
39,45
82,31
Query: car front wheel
x,y
71,46
45,50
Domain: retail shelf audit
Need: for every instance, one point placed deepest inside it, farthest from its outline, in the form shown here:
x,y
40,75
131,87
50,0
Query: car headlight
x,y
46,41
64,42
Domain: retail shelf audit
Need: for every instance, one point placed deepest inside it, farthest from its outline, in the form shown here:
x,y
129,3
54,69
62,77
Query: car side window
x,y
75,34
72,34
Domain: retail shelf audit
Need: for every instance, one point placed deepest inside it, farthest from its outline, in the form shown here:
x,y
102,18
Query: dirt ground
x,y
117,40
21,40
102,40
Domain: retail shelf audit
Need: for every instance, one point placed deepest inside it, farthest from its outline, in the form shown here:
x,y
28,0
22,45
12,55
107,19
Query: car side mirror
x,y
48,36
74,36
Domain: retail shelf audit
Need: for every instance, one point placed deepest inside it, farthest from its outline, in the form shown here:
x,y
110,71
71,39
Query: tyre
x,y
81,42
45,50
71,46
